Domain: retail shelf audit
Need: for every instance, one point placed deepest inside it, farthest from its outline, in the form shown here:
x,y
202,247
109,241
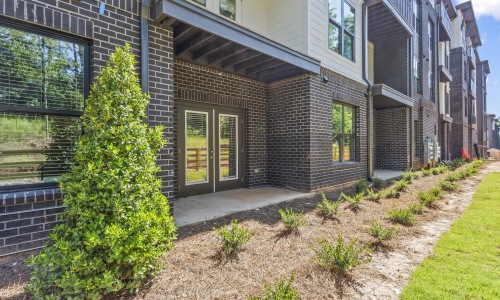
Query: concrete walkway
x,y
386,174
200,208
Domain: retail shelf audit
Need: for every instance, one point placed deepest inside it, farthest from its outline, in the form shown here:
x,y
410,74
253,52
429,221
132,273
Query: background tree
x,y
117,222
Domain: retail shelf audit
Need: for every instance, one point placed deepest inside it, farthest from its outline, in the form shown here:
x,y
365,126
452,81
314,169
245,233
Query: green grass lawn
x,y
466,261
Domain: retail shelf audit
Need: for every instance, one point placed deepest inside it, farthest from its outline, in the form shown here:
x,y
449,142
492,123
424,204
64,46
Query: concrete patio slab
x,y
386,174
200,208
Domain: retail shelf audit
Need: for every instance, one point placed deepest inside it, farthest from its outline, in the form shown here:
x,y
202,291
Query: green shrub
x,y
442,168
328,209
233,238
447,186
416,208
117,222
360,186
391,193
409,176
435,171
452,177
426,172
436,193
462,174
380,233
402,216
355,201
430,197
400,185
281,290
341,257
458,162
378,183
374,196
291,220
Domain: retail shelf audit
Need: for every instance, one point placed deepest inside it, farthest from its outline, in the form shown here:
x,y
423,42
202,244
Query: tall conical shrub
x,y
117,222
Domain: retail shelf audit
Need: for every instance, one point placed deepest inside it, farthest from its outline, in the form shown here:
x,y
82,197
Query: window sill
x,y
345,164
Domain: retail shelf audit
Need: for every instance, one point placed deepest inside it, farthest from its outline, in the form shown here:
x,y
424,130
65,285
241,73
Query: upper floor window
x,y
201,2
227,8
341,27
343,132
43,82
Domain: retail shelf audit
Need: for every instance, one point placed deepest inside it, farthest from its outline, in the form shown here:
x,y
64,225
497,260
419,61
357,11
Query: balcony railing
x,y
472,57
447,104
473,88
405,9
473,119
445,25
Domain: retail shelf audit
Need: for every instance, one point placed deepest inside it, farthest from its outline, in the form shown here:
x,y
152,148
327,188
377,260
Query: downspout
x,y
145,5
369,95
438,77
410,85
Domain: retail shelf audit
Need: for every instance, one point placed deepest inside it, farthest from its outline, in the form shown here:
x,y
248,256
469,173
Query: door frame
x,y
181,106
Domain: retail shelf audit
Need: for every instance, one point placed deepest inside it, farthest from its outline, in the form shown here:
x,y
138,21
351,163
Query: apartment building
x,y
483,70
492,132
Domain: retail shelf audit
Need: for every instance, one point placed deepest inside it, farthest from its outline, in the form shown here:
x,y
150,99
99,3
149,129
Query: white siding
x,y
456,33
287,23
318,40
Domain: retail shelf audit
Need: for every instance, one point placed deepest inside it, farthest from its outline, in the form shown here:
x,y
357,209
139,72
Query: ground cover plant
x,y
403,216
374,196
425,172
380,233
117,221
233,238
292,220
341,257
391,193
281,290
360,186
401,185
378,183
465,261
354,202
328,209
409,176
447,186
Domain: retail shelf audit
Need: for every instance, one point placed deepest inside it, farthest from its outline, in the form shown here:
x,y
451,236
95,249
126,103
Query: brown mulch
x,y
193,270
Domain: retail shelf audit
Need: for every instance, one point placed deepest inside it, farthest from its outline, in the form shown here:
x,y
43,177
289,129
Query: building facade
x,y
296,94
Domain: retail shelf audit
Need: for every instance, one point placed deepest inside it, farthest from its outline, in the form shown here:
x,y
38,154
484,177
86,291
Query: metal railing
x,y
473,119
447,103
444,17
405,9
473,87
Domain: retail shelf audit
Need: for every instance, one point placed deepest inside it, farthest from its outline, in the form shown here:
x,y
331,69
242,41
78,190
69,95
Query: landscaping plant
x,y
447,186
380,233
374,196
292,220
233,238
281,290
378,183
355,201
426,172
328,209
391,193
402,216
400,185
117,222
360,186
341,257
416,208
409,176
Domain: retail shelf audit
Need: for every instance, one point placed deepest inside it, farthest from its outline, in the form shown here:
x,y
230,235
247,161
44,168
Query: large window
x,y
343,132
227,8
341,27
43,82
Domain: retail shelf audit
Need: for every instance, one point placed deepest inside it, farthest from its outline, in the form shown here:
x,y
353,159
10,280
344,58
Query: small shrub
x,y
328,209
402,216
360,186
447,186
435,171
233,237
341,257
374,196
291,220
462,174
442,168
378,183
355,201
458,162
400,185
426,172
380,233
416,208
436,193
452,177
281,290
391,193
409,176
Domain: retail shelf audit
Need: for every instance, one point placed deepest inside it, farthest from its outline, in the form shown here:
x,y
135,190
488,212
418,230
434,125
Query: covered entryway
x,y
210,148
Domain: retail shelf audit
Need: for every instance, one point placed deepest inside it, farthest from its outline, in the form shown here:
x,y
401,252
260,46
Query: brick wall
x,y
392,138
458,98
26,217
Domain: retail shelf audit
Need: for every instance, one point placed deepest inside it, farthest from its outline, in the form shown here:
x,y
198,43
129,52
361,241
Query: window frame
x,y
343,31
48,111
343,134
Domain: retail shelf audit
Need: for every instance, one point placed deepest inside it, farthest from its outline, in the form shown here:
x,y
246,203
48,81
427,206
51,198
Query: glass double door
x,y
210,150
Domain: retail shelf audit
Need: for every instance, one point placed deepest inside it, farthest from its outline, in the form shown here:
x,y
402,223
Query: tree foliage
x,y
117,222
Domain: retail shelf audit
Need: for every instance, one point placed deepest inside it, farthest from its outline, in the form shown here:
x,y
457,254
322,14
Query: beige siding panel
x,y
287,23
318,41
254,15
371,62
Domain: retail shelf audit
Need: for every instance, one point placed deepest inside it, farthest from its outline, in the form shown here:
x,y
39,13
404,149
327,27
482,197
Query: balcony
x,y
445,75
472,57
472,89
385,97
388,18
444,24
472,119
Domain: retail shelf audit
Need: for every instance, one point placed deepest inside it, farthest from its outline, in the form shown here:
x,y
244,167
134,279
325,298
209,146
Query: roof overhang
x,y
450,8
385,97
385,21
207,39
470,20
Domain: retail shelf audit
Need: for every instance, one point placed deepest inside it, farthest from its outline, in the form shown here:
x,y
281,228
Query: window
x,y
343,132
227,8
201,2
341,27
43,82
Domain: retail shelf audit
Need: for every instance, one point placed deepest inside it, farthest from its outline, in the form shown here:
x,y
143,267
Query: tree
x,y
117,222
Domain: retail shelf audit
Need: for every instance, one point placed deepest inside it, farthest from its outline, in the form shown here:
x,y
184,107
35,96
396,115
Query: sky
x,y
488,18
